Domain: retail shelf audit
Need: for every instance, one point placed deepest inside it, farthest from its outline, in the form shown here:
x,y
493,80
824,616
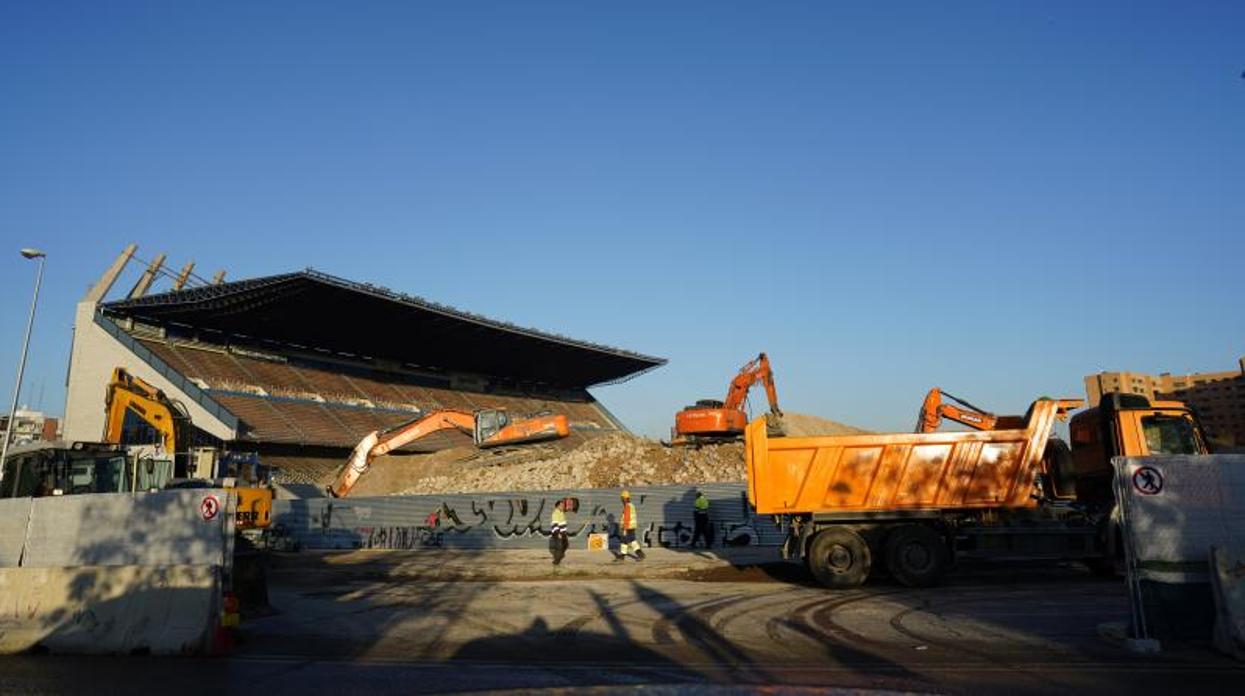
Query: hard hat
x,y
625,494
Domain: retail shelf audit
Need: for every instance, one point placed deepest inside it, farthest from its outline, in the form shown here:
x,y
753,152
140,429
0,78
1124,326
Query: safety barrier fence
x,y
114,572
1173,511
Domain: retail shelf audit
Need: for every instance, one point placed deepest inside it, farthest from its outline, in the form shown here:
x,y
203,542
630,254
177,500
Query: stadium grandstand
x,y
278,365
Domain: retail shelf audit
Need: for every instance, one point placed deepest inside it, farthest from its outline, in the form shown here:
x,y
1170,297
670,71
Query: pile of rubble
x,y
608,461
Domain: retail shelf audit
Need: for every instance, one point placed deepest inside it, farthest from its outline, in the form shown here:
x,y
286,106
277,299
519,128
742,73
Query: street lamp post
x,y
21,365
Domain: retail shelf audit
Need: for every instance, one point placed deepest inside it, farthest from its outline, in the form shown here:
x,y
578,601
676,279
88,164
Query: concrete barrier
x,y
1173,510
1228,580
109,609
166,528
14,519
519,519
114,572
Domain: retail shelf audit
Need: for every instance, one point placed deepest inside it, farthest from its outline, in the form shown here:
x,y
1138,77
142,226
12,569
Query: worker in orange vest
x,y
626,530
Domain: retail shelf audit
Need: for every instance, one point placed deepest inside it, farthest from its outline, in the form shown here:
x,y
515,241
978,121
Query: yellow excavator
x,y
487,428
138,413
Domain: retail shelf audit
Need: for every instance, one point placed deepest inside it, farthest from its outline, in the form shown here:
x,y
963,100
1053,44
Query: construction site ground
x,y
439,621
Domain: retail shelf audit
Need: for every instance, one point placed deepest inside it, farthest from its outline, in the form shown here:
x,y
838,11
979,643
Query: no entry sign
x,y
1148,481
209,507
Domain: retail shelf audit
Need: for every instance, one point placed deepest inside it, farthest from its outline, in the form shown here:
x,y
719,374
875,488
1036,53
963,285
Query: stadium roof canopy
x,y
314,310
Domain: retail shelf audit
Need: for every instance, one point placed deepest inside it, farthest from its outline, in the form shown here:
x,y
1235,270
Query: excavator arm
x,y
934,411
405,434
757,370
487,428
376,443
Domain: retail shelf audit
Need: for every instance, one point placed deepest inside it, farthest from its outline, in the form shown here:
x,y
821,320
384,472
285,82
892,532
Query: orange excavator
x,y
710,420
487,427
934,411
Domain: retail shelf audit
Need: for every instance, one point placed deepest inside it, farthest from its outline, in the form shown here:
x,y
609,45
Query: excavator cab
x,y
489,422
137,429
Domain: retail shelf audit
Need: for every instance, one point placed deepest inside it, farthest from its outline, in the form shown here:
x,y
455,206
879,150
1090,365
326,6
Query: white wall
x,y
94,356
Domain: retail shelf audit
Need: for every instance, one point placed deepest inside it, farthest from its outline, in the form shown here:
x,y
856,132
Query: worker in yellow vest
x,y
700,516
558,541
626,529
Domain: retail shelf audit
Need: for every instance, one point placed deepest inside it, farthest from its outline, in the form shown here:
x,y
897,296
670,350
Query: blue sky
x,y
997,198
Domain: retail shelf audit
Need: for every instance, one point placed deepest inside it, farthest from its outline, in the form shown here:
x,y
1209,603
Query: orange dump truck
x,y
911,503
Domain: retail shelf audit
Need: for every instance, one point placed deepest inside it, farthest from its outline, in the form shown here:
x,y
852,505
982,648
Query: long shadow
x,y
577,657
702,637
330,606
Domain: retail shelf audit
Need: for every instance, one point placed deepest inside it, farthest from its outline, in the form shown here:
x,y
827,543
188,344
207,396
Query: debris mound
x,y
804,425
606,461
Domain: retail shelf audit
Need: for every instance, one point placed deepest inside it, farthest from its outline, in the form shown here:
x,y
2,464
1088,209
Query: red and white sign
x,y
209,507
1148,481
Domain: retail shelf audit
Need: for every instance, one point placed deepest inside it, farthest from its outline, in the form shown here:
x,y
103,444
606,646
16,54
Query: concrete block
x,y
1228,582
168,610
14,516
151,529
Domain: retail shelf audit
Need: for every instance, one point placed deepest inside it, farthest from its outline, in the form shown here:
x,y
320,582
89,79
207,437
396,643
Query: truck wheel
x,y
839,558
1059,468
916,555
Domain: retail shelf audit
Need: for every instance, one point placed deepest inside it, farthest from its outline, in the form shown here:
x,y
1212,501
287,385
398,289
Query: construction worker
x,y
558,541
626,529
700,516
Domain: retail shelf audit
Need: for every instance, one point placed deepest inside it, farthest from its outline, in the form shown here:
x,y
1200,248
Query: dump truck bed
x,y
898,472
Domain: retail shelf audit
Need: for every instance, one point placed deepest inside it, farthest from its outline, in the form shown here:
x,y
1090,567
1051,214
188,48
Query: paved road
x,y
363,626
1023,631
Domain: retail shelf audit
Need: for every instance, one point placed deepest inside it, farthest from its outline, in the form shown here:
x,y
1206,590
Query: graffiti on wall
x,y
461,520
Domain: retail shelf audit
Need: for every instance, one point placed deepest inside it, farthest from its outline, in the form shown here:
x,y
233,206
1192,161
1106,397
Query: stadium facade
x,y
300,366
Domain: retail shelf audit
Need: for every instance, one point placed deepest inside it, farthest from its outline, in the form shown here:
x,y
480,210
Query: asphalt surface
x,y
379,626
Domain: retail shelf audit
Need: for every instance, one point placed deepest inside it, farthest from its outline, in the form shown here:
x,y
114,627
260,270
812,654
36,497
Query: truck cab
x,y
1127,425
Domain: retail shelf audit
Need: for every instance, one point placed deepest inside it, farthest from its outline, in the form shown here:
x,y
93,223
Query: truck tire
x,y
839,558
1111,564
1059,468
917,555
